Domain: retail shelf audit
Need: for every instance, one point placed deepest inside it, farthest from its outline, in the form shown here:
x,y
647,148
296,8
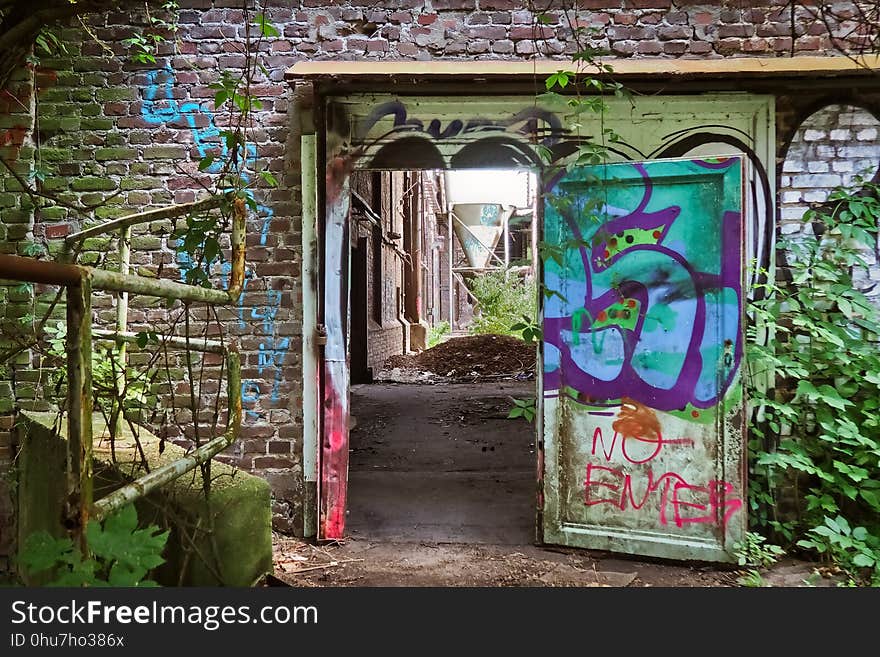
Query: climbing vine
x,y
815,447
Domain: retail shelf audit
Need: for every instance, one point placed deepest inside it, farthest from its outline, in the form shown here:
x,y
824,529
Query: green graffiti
x,y
660,316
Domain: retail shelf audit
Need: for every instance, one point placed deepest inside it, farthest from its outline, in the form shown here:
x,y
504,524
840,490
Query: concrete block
x,y
235,526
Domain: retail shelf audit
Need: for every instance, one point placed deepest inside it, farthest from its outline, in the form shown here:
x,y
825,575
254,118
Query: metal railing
x,y
79,281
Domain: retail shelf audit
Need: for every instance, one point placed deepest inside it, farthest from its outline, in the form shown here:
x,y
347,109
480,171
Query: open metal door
x,y
643,419
333,480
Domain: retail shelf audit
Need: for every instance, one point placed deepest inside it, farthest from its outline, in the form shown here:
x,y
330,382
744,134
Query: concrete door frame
x,y
360,130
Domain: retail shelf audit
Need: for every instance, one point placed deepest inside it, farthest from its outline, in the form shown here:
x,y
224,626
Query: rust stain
x,y
636,420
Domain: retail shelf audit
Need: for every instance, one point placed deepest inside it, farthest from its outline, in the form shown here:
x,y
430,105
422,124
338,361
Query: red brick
x,y
275,462
55,231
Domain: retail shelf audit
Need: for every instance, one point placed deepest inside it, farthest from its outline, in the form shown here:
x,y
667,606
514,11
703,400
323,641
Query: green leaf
x,y
206,162
864,561
41,552
266,28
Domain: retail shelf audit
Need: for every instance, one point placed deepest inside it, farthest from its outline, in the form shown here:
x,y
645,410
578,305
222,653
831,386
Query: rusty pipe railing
x,y
79,281
167,473
169,212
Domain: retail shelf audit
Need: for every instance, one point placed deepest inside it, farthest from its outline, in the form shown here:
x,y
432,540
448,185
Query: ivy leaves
x,y
120,554
826,353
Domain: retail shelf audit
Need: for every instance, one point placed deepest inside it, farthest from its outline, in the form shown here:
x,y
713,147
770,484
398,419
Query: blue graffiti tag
x,y
160,107
206,139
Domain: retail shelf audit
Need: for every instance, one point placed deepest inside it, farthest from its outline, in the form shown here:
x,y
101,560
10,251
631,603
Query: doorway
x,y
442,266
697,137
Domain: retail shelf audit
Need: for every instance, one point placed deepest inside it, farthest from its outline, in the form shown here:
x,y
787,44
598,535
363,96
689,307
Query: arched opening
x,y
836,146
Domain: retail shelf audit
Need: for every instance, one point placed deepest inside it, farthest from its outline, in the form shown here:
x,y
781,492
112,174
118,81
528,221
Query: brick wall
x,y
132,136
830,148
384,282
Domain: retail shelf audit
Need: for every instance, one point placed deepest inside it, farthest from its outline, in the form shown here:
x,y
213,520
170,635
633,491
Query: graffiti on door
x,y
643,336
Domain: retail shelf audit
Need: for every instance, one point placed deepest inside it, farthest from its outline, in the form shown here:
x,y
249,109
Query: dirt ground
x,y
441,493
442,490
364,563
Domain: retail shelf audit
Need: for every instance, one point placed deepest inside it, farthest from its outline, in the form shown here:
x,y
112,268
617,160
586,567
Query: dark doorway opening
x,y
433,454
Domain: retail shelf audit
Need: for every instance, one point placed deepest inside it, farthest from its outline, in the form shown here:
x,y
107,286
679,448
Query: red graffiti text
x,y
678,500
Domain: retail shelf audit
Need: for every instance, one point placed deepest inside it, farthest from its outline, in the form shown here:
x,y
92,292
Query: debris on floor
x,y
365,562
357,562
467,358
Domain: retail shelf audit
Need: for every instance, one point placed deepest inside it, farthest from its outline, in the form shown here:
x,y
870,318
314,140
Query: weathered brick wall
x,y
132,136
831,148
17,301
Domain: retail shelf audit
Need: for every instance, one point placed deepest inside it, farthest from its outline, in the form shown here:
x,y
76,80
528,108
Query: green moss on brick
x,y
96,243
17,217
97,124
55,95
119,153
93,184
54,124
164,152
14,120
91,110
17,232
110,212
55,183
49,154
54,213
146,243
116,93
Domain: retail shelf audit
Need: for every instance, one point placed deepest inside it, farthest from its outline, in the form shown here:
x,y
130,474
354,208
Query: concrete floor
x,y
441,463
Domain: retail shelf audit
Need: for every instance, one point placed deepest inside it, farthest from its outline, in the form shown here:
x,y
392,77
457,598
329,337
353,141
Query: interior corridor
x,y
441,463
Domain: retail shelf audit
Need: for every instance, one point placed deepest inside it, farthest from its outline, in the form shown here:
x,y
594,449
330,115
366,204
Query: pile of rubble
x,y
467,358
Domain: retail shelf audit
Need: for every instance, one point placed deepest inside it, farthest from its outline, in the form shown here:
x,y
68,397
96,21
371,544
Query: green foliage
x,y
855,550
529,328
503,301
817,431
266,28
199,240
437,333
752,579
144,46
105,371
120,554
753,551
524,408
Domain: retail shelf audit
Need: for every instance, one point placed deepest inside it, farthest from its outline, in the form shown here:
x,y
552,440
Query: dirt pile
x,y
471,357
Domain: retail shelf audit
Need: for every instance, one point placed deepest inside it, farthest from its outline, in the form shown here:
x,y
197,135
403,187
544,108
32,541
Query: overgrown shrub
x,y
504,300
816,436
120,554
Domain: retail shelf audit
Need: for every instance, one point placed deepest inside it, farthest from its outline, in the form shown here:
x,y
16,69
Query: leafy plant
x,y
503,301
752,579
437,333
120,554
755,552
106,371
855,550
815,452
524,408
